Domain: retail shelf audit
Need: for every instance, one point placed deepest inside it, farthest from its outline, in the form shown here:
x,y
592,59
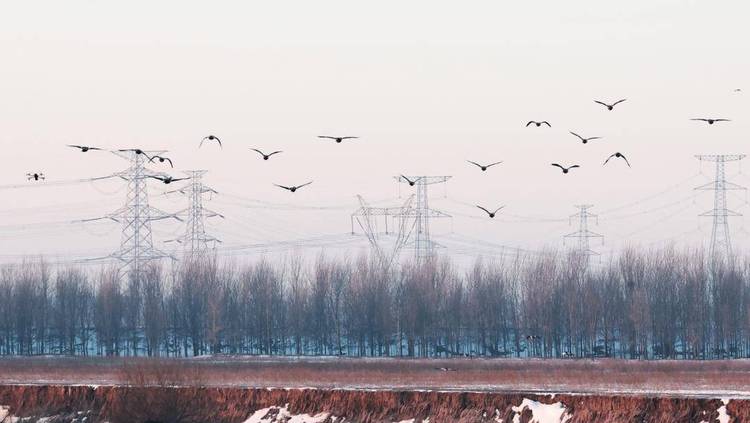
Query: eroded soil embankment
x,y
235,405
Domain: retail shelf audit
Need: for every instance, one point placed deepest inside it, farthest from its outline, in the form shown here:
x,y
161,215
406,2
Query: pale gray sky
x,y
426,84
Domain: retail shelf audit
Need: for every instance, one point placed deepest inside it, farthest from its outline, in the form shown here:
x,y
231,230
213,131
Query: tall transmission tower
x,y
721,245
421,214
195,240
136,244
583,234
366,218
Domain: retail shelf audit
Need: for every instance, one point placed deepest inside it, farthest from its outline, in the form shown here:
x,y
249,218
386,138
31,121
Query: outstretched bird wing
x,y
304,185
485,210
530,122
474,163
75,146
178,179
170,162
546,123
605,162
493,164
327,136
602,103
618,102
498,209
625,158
573,167
156,177
275,152
348,138
721,120
579,137
701,119
282,186
259,152
557,165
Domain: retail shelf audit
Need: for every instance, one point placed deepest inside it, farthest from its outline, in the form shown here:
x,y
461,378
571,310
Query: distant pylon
x,y
195,240
366,218
424,247
720,250
583,234
136,244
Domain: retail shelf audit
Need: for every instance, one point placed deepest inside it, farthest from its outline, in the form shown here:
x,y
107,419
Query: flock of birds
x,y
166,179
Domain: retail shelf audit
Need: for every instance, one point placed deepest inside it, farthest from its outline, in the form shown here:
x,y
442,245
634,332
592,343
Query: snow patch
x,y
723,416
282,414
542,413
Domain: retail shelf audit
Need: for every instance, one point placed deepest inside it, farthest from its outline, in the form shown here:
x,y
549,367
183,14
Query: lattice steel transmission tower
x,y
195,240
136,245
366,218
421,214
583,234
720,250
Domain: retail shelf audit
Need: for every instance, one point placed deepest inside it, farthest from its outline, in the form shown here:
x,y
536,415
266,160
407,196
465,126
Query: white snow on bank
x,y
282,415
542,413
5,416
723,416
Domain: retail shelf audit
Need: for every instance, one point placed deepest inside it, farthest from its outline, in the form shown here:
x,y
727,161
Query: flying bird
x,y
585,140
83,148
293,188
211,138
619,156
411,183
484,167
491,214
162,160
266,156
35,176
166,179
711,121
337,139
738,90
136,151
538,124
610,106
565,169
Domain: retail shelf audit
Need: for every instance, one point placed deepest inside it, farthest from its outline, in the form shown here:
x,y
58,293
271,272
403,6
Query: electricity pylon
x,y
720,250
195,240
366,218
424,247
136,244
583,234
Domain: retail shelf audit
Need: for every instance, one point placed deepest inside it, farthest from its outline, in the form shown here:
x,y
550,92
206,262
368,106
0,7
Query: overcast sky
x,y
427,85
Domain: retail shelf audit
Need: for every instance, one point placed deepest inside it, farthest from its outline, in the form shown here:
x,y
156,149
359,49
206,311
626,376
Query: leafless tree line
x,y
642,304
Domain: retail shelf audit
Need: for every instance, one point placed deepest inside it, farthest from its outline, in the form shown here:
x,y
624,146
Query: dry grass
x,y
478,374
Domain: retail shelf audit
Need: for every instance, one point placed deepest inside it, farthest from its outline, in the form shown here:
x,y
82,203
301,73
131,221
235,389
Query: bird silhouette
x,y
211,138
484,167
565,169
83,148
266,156
585,140
610,106
166,179
619,156
538,124
411,183
337,139
35,176
162,159
136,151
293,188
711,121
738,90
491,214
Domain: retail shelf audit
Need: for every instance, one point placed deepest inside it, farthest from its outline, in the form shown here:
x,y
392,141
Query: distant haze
x,y
427,85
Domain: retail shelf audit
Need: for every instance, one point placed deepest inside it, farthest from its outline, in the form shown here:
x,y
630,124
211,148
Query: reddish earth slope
x,y
235,405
